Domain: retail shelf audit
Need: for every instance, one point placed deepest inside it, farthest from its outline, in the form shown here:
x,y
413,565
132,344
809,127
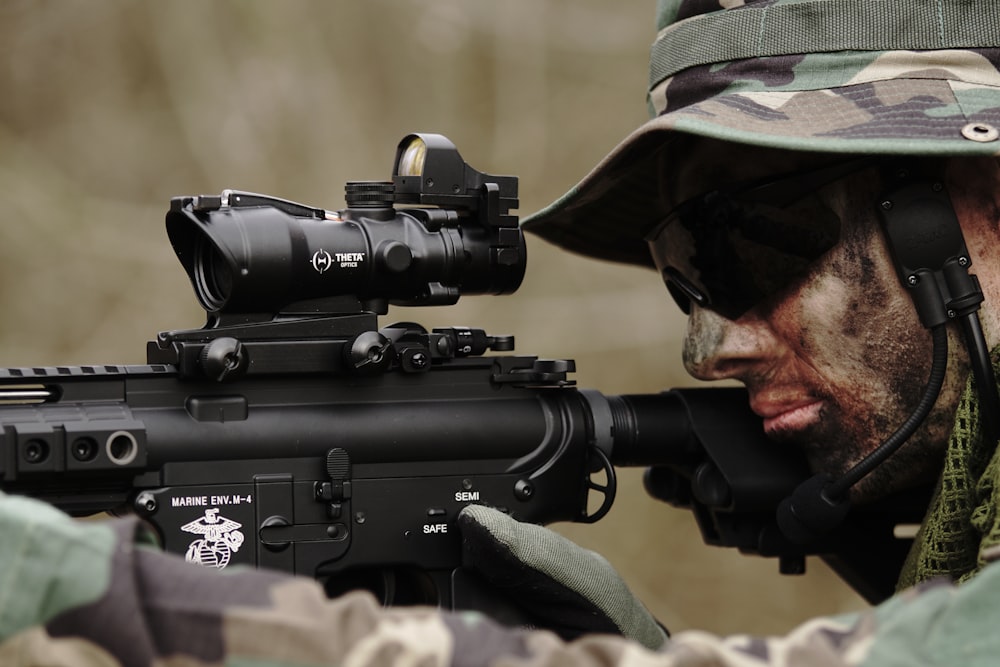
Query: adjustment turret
x,y
369,194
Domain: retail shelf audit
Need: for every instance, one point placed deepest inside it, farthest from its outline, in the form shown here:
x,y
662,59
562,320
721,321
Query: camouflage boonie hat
x,y
905,77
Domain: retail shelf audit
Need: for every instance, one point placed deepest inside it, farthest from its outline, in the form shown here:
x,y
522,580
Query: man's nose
x,y
716,348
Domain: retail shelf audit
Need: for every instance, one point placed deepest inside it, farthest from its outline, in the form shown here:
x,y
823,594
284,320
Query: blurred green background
x,y
109,108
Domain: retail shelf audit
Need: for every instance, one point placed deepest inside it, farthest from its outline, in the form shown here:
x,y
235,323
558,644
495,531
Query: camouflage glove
x,y
559,585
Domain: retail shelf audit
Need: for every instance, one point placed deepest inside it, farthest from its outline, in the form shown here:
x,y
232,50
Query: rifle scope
x,y
251,253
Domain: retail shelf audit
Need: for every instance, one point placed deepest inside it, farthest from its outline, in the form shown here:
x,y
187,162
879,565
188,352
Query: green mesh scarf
x,y
963,519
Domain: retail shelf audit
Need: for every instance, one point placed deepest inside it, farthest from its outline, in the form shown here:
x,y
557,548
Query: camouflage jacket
x,y
98,593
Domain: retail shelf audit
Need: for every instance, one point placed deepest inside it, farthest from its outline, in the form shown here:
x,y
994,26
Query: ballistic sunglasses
x,y
730,249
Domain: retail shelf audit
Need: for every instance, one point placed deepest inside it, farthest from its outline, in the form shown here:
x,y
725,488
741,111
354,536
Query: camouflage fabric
x,y
96,593
825,76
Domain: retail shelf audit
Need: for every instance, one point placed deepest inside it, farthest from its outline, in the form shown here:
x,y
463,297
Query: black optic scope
x,y
251,253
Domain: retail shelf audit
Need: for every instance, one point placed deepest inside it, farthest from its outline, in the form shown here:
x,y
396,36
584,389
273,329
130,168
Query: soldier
x,y
799,190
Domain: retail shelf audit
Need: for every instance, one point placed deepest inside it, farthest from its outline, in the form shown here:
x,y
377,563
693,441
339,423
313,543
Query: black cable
x,y
939,366
982,370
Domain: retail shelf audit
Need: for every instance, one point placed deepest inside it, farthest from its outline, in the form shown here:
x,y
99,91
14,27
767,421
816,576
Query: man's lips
x,y
787,417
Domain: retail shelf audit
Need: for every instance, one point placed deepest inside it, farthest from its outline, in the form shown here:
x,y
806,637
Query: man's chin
x,y
833,455
878,484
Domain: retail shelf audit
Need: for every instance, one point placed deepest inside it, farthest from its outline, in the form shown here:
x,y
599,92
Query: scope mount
x,y
345,344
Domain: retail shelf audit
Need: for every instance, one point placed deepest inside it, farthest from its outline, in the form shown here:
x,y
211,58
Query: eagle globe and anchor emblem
x,y
220,539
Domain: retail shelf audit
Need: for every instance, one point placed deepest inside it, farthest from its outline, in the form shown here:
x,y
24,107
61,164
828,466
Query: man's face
x,y
837,360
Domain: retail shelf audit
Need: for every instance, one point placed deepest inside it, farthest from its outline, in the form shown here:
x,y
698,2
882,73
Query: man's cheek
x,y
813,318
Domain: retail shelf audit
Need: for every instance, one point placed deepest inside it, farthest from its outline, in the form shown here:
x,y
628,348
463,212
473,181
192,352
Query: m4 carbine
x,y
292,432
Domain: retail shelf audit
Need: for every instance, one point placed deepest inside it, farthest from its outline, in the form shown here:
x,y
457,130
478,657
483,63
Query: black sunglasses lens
x,y
682,290
728,251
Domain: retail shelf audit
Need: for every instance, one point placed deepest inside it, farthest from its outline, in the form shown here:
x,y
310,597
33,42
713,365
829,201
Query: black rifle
x,y
292,432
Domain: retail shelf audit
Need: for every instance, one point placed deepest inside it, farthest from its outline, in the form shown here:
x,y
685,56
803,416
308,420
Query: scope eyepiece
x,y
249,253
213,279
